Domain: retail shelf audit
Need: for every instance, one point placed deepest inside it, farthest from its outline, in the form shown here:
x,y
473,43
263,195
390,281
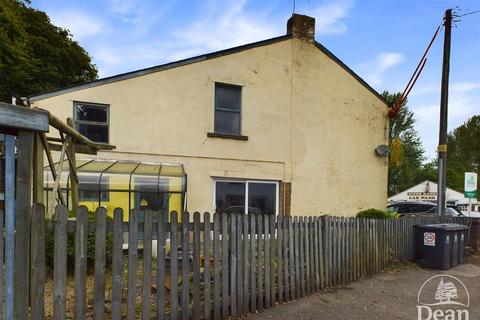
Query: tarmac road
x,y
388,295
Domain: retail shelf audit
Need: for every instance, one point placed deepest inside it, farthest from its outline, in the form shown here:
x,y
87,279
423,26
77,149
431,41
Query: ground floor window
x,y
246,196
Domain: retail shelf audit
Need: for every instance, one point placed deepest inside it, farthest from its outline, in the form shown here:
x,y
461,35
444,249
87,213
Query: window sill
x,y
227,136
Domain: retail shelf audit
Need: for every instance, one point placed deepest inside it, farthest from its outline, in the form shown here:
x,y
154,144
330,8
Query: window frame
x,y
96,123
215,108
246,182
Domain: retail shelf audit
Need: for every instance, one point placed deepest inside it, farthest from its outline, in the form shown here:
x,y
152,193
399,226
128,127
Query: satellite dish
x,y
382,150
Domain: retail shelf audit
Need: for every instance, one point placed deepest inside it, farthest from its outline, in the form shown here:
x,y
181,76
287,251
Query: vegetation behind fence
x,y
226,265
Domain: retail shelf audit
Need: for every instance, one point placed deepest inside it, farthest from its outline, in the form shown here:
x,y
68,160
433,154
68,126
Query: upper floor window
x,y
92,120
228,101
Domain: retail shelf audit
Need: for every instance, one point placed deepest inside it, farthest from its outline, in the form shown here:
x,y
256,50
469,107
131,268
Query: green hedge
x,y
377,214
49,246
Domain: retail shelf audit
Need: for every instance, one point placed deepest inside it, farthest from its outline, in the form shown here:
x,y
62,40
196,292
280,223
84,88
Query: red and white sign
x,y
429,239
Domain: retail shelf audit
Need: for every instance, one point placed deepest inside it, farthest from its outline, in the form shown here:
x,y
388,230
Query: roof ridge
x,y
160,67
202,57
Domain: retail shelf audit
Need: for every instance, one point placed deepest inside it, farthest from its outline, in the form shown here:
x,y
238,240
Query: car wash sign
x,y
470,185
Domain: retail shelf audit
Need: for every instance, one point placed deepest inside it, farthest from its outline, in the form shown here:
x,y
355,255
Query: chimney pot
x,y
301,27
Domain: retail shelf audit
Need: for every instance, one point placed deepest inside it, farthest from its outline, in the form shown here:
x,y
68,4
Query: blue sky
x,y
380,40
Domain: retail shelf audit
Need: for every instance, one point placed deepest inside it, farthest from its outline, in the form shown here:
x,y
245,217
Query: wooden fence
x,y
215,267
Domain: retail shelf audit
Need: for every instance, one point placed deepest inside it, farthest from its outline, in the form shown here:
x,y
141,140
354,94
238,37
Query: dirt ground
x,y
388,295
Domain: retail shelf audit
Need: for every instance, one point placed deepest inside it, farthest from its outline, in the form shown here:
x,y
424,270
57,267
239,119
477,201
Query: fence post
x,y
185,265
225,256
306,237
301,240
147,265
37,290
100,233
287,270
240,271
273,251
253,254
216,267
327,258
81,233
206,275
296,250
196,266
259,263
245,264
117,257
132,264
60,264
233,265
161,231
291,253
22,223
319,252
174,266
266,232
280,258
335,246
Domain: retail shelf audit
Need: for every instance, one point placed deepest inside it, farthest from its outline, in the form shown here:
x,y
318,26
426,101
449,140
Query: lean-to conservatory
x,y
120,184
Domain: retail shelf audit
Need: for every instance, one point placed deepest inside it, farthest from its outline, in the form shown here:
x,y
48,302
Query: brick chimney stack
x,y
301,27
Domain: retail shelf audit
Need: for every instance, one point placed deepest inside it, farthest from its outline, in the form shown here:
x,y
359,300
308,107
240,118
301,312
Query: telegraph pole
x,y
442,139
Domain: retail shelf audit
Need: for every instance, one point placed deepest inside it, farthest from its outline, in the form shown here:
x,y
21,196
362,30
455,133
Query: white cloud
x,y
80,24
376,68
462,105
223,25
463,86
219,25
328,17
122,7
131,11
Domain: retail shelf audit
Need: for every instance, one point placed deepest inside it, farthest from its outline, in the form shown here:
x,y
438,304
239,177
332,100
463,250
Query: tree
x,y
35,55
446,292
463,154
407,154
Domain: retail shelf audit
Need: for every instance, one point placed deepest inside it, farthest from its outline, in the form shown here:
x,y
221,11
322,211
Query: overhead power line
x,y
467,14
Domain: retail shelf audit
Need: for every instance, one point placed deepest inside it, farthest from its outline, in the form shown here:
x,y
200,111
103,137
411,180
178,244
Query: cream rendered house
x,y
279,126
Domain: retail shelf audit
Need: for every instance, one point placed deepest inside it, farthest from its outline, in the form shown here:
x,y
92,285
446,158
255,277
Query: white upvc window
x,y
245,196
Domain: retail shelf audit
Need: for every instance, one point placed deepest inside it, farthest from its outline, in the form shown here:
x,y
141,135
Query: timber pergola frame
x,y
25,139
69,142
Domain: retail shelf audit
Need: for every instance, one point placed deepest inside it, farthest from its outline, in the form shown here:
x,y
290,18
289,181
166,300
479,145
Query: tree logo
x,y
443,297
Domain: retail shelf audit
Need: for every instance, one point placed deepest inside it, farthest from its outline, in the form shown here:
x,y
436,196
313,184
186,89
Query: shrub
x,y
49,246
377,214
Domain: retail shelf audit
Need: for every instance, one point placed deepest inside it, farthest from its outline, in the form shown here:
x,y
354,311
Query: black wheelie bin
x,y
433,245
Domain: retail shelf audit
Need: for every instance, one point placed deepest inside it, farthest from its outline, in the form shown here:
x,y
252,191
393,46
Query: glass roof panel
x,y
172,170
148,169
96,166
126,167
122,175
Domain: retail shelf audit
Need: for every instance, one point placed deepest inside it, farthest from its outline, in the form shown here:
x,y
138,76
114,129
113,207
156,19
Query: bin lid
x,y
442,227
